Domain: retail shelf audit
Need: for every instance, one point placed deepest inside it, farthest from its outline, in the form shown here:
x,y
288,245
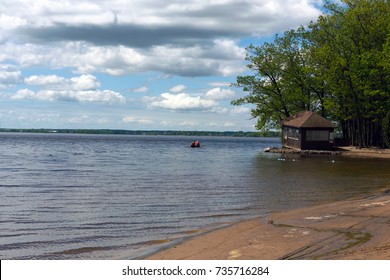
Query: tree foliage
x,y
338,66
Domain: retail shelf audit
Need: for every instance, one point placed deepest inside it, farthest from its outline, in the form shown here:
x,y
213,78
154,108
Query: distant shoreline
x,y
146,132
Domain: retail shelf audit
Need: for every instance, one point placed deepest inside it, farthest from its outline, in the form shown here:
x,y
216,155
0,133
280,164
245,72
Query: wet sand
x,y
352,230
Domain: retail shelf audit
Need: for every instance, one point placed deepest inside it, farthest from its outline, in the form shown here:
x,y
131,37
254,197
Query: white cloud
x,y
188,123
83,88
225,125
137,120
186,38
80,119
24,94
182,101
141,90
229,124
220,94
165,20
85,82
104,96
9,76
45,80
241,110
228,49
11,22
116,61
231,110
48,12
144,38
178,89
197,60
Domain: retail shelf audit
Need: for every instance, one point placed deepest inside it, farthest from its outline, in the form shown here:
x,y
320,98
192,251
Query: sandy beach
x,y
365,152
356,229
353,229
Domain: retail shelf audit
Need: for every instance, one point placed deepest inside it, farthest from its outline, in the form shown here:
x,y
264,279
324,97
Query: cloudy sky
x,y
133,64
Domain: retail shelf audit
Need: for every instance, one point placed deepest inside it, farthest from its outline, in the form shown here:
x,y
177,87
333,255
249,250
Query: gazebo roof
x,y
308,119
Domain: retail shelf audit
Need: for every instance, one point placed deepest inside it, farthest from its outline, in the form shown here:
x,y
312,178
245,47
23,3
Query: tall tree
x,y
348,43
282,83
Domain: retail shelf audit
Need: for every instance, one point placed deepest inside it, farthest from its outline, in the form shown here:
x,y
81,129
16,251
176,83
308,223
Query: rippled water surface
x,y
65,196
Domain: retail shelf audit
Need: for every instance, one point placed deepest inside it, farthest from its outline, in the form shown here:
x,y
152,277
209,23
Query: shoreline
x,y
348,151
352,229
365,152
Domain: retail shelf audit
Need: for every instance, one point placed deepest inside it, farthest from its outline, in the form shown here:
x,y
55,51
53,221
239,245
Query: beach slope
x,y
352,229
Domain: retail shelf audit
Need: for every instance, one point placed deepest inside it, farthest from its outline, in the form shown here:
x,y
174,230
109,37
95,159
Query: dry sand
x,y
353,229
365,152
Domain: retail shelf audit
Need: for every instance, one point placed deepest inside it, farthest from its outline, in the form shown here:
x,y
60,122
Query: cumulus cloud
x,y
9,76
45,80
176,99
61,84
231,110
141,90
178,89
241,110
83,88
143,24
85,82
120,60
220,94
182,101
186,38
170,38
101,96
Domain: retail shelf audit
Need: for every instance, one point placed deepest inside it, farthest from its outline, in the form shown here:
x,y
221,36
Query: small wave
x,y
63,170
216,216
24,245
153,242
157,228
84,250
193,231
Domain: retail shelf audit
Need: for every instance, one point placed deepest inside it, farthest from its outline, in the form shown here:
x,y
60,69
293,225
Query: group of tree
x,y
338,66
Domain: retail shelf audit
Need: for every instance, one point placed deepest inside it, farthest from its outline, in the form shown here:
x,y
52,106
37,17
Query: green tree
x,y
338,66
283,82
349,47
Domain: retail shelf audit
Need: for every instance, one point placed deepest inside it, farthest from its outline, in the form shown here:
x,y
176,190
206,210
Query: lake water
x,y
65,196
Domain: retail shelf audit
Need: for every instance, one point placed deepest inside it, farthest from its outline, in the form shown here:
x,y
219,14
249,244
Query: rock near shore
x,y
285,150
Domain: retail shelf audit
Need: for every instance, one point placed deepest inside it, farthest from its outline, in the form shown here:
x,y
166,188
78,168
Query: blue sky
x,y
133,64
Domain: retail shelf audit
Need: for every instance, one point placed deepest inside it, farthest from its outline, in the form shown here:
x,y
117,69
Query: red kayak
x,y
195,144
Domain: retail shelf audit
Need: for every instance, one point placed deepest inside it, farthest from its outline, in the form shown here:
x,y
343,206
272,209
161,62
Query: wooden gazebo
x,y
308,131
